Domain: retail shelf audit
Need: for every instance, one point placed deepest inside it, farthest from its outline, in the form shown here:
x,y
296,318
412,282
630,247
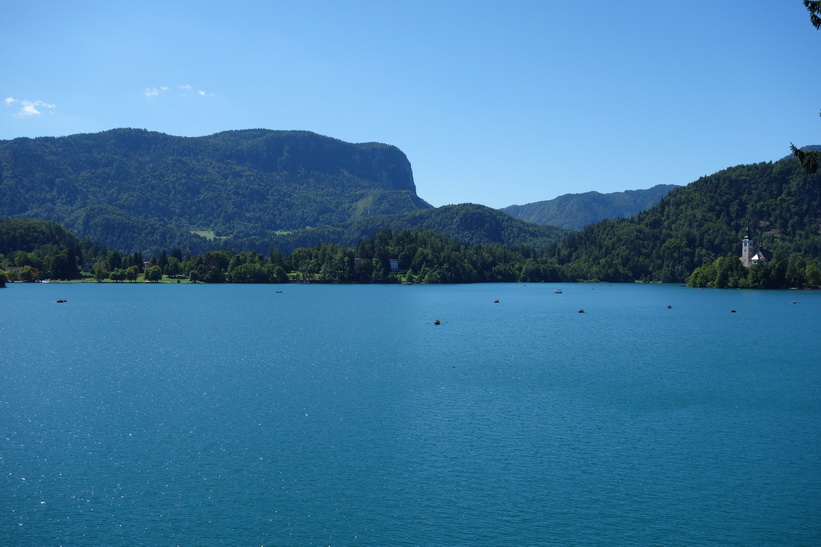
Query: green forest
x,y
693,235
575,211
138,190
777,203
32,250
466,223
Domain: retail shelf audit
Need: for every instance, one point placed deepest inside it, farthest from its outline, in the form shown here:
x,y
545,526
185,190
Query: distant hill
x,y
777,202
137,190
29,235
45,246
575,211
465,223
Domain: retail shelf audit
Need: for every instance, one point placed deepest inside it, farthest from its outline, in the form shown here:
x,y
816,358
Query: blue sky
x,y
497,103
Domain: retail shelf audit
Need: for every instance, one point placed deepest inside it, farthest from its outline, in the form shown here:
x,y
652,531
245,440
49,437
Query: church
x,y
748,258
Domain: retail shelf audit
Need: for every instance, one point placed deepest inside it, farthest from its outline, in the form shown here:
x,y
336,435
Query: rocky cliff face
x,y
290,151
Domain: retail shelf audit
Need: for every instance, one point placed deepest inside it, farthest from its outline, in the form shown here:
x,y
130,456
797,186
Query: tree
x,y
100,270
809,158
117,275
114,261
812,273
29,273
62,266
131,273
214,275
814,7
796,271
173,268
280,275
153,274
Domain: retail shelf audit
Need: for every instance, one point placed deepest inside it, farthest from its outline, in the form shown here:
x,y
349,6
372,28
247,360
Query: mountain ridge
x,y
575,211
234,183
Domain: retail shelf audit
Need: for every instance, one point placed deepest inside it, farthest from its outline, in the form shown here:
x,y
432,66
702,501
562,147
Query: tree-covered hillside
x,y
465,223
575,211
777,202
694,233
134,189
43,249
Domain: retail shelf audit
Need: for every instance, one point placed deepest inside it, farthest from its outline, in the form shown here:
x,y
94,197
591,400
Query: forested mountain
x,y
694,225
44,249
273,192
134,189
465,223
575,211
694,233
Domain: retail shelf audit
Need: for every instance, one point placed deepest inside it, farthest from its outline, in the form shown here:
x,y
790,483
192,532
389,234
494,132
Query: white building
x,y
748,258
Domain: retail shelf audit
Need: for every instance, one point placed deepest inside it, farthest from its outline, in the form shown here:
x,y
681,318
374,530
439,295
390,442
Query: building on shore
x,y
748,258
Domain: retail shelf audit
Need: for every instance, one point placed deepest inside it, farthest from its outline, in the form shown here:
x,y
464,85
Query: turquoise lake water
x,y
342,415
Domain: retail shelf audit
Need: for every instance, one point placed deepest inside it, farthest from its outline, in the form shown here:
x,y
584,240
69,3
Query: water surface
x,y
341,415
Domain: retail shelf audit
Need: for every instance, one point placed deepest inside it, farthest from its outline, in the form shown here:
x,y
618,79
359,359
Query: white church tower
x,y
746,251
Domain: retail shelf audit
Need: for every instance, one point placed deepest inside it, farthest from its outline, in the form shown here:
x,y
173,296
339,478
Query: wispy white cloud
x,y
189,88
183,90
26,107
155,91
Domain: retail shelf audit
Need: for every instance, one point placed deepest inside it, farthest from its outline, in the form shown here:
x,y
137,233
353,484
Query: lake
x,y
138,414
